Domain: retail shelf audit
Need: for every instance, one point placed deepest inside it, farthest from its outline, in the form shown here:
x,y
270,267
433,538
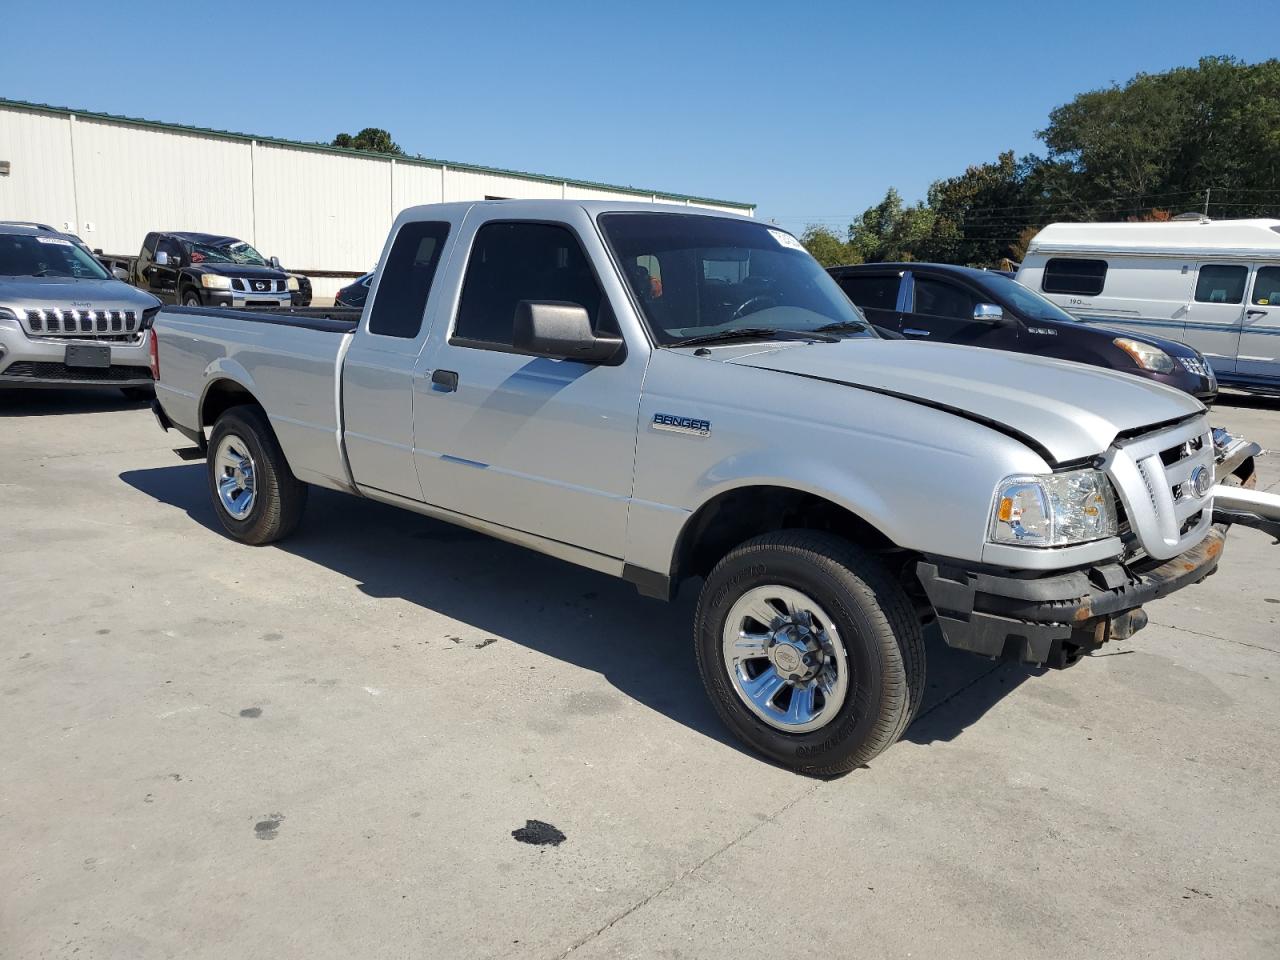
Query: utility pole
x,y
1206,202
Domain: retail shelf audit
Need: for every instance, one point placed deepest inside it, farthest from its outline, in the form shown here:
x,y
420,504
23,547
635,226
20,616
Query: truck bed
x,y
286,357
324,319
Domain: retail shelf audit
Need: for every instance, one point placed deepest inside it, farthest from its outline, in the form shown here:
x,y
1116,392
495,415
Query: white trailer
x,y
1212,284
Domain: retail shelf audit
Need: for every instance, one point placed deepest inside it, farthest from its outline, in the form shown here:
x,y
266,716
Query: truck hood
x,y
69,292
1068,411
243,271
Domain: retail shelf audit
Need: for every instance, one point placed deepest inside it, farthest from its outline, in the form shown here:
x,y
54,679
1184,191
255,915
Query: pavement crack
x,y
808,792
1214,636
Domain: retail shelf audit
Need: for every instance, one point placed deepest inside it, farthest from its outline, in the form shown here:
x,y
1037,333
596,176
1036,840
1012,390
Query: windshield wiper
x,y
842,325
753,333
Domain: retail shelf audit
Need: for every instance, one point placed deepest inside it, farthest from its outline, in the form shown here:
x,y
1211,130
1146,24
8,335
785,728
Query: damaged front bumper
x,y
1056,619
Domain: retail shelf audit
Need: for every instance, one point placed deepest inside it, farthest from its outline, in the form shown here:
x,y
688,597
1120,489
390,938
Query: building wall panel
x,y
40,185
320,211
112,181
414,185
470,185
132,180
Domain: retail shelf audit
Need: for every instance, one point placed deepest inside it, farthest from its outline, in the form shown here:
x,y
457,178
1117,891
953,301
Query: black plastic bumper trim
x,y
1033,620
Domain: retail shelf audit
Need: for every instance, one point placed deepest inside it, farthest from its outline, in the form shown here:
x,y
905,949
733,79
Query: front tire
x,y
835,674
257,498
190,298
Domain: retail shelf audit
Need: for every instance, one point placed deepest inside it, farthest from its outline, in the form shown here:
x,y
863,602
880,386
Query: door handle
x,y
915,332
446,380
1255,313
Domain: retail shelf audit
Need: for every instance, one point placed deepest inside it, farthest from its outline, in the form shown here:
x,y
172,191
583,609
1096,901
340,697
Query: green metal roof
x,y
347,151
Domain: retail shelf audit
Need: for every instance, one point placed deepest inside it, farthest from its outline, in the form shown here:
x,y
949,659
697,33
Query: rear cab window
x,y
401,300
1084,278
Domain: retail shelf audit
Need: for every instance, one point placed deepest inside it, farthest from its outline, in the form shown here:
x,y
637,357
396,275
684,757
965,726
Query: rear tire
x,y
860,640
257,498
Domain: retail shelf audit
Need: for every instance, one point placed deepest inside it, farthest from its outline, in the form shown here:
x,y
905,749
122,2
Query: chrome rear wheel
x,y
236,476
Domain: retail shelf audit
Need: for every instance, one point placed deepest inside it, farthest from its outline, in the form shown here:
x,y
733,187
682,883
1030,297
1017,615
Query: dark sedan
x,y
355,293
982,308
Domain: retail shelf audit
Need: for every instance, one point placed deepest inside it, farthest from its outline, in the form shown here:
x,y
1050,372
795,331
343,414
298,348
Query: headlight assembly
x,y
293,283
1145,355
1053,510
213,281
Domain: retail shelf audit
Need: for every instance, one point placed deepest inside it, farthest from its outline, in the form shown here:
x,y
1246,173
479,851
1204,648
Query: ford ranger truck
x,y
666,394
64,320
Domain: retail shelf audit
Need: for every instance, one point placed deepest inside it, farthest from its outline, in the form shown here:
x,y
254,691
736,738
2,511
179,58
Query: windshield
x,y
232,251
698,275
1026,301
26,255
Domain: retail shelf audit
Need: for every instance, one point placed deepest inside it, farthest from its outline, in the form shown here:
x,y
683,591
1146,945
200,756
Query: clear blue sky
x,y
810,110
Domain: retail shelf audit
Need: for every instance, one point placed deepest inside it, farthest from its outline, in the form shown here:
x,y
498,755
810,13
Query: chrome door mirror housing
x,y
988,312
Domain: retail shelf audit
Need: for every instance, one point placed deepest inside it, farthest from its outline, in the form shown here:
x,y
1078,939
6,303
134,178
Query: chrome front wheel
x,y
785,658
236,476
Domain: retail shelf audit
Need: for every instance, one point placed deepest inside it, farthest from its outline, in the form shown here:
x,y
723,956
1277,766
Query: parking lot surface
x,y
322,748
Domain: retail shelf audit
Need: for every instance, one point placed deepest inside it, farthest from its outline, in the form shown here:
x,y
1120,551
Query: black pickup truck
x,y
982,308
205,269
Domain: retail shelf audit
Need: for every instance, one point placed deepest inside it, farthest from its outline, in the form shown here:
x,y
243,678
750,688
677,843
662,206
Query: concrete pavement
x,y
321,749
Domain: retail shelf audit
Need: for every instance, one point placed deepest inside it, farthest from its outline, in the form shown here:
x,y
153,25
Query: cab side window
x,y
406,279
938,298
511,262
1221,283
172,248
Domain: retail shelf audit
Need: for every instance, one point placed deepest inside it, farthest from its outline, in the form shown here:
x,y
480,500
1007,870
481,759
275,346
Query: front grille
x,y
259,286
1155,475
90,324
1195,365
34,370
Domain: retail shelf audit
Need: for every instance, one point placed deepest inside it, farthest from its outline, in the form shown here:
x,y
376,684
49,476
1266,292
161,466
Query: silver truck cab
x,y
65,321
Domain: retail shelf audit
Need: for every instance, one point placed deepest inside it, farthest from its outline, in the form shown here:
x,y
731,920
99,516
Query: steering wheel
x,y
764,300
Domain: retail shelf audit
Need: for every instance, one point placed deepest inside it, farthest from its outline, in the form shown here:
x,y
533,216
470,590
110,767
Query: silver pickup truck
x,y
664,394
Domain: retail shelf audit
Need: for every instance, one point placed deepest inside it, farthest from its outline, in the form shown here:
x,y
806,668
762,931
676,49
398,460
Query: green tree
x,y
1164,139
1156,143
890,230
827,248
371,140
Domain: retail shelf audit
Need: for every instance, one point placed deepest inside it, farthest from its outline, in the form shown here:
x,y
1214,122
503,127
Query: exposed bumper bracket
x,y
1054,620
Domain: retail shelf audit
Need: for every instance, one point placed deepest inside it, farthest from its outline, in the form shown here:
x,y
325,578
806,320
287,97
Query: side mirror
x,y
560,331
275,262
120,273
162,259
989,312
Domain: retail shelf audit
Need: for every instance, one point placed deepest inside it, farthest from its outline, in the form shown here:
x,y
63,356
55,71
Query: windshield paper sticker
x,y
786,240
54,240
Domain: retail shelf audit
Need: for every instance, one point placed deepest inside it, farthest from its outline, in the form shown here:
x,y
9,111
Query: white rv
x,y
1212,284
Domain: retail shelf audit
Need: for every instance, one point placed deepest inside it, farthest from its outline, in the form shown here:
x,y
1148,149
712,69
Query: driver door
x,y
537,445
942,311
163,279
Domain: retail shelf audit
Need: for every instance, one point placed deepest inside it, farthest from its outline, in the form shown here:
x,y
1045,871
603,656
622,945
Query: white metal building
x,y
324,211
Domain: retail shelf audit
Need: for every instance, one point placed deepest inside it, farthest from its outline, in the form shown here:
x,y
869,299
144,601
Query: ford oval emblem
x,y
1200,481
